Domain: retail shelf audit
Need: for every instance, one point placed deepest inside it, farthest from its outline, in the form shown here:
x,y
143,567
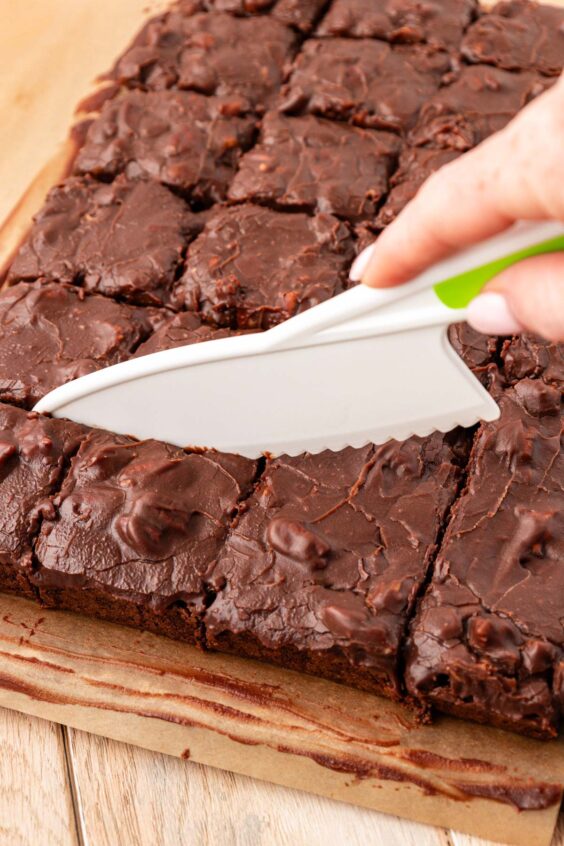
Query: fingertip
x,y
491,314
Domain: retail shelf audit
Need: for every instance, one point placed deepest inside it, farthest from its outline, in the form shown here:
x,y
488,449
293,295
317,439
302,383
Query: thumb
x,y
529,295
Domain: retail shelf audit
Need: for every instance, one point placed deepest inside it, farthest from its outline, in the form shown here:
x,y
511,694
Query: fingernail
x,y
490,313
360,264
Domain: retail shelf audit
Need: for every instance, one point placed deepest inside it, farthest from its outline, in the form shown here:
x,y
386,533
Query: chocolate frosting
x,y
179,330
365,81
252,268
317,165
183,139
477,351
528,355
519,35
126,239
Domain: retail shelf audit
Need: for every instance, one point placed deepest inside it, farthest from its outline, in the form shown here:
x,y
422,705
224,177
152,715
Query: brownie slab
x,y
322,570
480,102
530,356
313,164
211,53
519,35
51,333
134,530
438,22
487,642
185,140
252,267
367,82
126,239
33,454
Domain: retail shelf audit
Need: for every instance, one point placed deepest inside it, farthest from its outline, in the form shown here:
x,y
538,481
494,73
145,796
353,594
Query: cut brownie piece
x,y
476,350
487,642
179,330
529,356
212,53
321,572
183,139
318,165
438,22
416,164
252,268
126,239
519,35
365,81
51,333
134,530
33,454
480,102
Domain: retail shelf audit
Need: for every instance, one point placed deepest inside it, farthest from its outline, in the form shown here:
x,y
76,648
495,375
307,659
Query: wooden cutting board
x,y
234,714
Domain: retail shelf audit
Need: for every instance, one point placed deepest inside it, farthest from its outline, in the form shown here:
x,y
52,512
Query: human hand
x,y
517,174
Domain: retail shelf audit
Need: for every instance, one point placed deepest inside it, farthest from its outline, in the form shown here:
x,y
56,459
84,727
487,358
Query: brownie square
x,y
530,356
416,164
252,267
211,53
438,22
187,141
487,642
134,530
179,330
317,165
33,455
364,81
480,102
126,239
51,333
321,572
519,35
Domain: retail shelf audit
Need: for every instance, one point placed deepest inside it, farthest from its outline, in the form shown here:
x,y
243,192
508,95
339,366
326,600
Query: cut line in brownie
x,y
252,267
317,165
363,81
187,141
487,641
134,529
34,451
51,333
438,22
518,35
126,239
321,571
481,101
213,53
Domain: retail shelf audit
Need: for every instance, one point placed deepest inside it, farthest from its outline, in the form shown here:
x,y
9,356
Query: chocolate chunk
x,y
365,81
519,35
180,138
528,355
317,165
499,572
126,239
211,53
480,102
252,268
51,333
33,453
438,22
335,547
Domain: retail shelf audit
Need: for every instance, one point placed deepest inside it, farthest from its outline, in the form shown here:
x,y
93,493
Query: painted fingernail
x,y
360,264
490,313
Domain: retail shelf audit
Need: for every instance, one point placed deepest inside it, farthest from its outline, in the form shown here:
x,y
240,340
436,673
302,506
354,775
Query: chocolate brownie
x,y
476,350
438,22
179,330
322,570
125,239
487,642
364,81
416,164
313,164
529,356
480,102
252,267
301,14
134,530
51,333
211,53
187,141
519,35
34,451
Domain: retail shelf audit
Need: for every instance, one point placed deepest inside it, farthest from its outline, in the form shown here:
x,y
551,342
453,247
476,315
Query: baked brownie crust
x,y
252,268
